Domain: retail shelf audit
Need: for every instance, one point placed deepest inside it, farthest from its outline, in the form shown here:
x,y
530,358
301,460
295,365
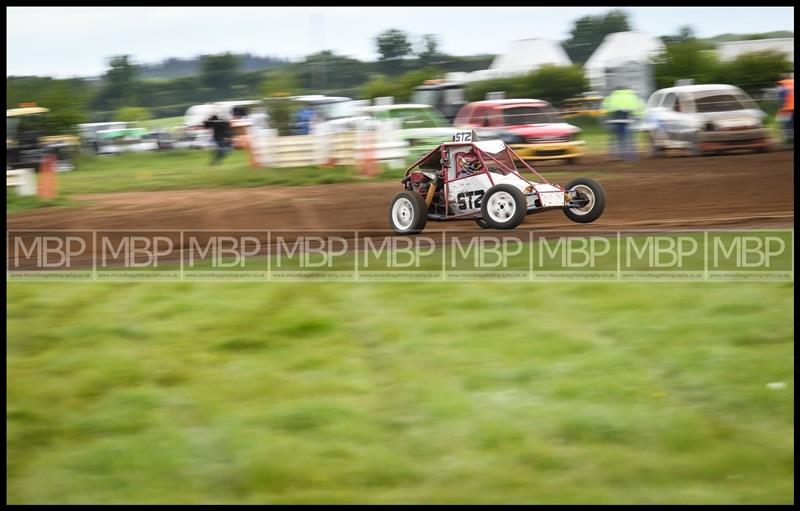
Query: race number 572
x,y
462,136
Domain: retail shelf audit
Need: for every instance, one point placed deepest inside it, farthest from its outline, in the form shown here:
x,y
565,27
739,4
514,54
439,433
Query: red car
x,y
531,127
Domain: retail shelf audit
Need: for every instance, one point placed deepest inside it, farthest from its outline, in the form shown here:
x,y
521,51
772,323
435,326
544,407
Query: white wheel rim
x,y
402,214
501,207
587,193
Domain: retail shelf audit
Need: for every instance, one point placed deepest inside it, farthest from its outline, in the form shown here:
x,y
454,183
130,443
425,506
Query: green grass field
x,y
475,392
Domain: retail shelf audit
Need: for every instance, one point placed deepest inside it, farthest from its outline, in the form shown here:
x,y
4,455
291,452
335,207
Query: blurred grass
x,y
243,393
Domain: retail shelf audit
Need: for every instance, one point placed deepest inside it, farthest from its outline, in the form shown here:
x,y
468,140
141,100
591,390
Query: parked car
x,y
90,140
531,127
125,140
335,114
704,119
447,97
422,126
586,105
29,137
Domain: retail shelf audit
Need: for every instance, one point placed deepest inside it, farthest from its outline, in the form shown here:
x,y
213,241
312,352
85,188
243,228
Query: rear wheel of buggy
x,y
408,213
503,207
592,197
482,223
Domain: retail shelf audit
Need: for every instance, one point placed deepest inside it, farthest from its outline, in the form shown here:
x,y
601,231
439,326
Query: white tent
x,y
623,60
528,55
524,56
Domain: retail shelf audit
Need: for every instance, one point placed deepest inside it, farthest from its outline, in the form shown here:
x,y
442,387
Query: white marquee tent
x,y
524,56
623,60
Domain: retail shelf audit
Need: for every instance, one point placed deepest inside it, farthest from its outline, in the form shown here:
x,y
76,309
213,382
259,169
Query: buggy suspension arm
x,y
431,192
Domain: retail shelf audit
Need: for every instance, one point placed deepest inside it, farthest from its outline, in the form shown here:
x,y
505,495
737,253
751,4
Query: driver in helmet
x,y
468,163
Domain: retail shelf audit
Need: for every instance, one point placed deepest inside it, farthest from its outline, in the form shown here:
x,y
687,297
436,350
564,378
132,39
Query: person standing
x,y
785,117
623,108
303,120
222,133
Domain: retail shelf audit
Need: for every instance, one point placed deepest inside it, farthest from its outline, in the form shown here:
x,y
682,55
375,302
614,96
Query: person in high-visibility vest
x,y
623,108
786,111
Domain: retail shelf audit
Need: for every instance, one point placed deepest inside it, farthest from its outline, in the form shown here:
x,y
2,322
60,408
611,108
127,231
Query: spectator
x,y
221,129
623,109
785,117
303,120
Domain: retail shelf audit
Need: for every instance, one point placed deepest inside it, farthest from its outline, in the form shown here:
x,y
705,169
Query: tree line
x,y
127,91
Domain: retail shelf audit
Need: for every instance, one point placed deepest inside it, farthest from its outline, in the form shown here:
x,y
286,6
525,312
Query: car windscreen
x,y
413,118
529,115
425,97
11,127
339,110
719,103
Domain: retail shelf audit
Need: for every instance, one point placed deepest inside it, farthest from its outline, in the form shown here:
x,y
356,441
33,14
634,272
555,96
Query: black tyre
x,y
503,206
592,197
656,151
408,213
695,149
482,223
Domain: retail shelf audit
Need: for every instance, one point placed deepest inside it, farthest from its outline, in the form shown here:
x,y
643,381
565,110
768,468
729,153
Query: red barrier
x,y
47,177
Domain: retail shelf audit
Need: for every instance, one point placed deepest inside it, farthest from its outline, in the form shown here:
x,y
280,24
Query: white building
x,y
732,49
524,56
624,59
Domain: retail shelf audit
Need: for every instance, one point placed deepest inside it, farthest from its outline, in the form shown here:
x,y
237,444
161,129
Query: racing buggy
x,y
467,179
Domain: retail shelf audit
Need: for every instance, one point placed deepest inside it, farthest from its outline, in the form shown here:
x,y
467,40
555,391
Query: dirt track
x,y
743,190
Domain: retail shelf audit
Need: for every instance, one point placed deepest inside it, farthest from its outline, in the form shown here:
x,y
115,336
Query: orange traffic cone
x,y
47,177
368,166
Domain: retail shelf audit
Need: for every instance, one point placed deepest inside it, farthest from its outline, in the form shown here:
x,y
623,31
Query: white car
x,y
704,119
422,126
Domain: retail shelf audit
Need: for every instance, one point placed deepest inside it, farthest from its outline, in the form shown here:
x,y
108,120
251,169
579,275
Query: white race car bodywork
x,y
464,194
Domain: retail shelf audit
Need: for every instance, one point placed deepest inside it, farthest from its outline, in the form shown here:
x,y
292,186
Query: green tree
x,y
219,72
393,46
429,50
589,31
279,83
378,86
755,71
550,83
120,81
67,101
401,88
685,60
132,114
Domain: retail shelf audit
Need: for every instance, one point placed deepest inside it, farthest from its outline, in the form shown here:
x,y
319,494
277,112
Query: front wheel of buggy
x,y
503,206
589,198
408,213
482,223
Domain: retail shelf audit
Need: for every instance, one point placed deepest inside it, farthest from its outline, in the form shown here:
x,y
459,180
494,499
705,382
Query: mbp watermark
x,y
662,256
574,258
303,256
384,256
215,256
293,256
756,256
469,256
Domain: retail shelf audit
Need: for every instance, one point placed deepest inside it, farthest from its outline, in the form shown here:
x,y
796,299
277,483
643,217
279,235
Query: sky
x,y
77,41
